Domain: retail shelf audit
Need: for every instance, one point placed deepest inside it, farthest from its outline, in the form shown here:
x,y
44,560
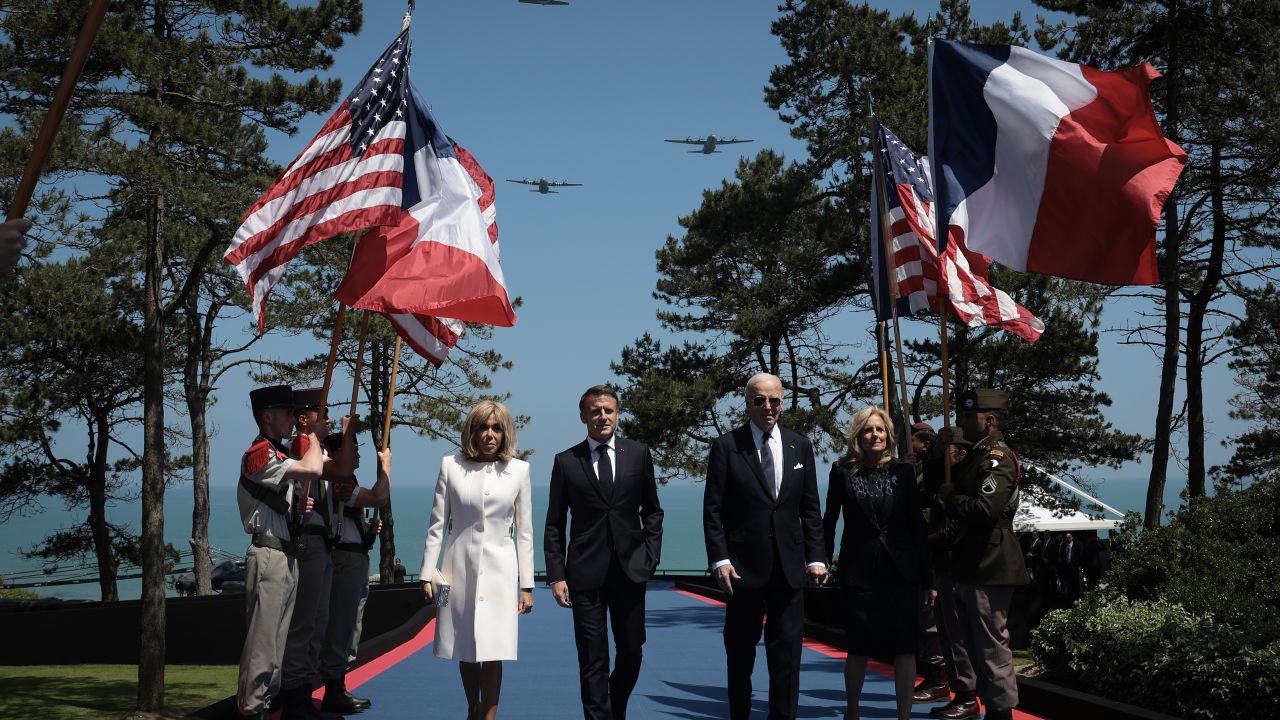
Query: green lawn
x,y
76,692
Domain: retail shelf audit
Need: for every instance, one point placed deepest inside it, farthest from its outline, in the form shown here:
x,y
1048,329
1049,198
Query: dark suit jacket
x,y
744,524
872,549
626,525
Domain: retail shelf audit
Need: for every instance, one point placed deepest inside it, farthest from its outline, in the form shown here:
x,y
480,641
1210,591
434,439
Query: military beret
x,y
271,396
307,398
984,399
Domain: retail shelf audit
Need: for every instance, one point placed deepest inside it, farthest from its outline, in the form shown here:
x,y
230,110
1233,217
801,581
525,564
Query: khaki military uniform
x,y
271,573
985,564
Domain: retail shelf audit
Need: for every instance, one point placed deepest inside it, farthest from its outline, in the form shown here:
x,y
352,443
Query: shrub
x,y
1162,656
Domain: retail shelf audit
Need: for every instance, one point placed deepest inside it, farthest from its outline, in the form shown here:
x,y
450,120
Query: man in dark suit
x,y
607,484
762,520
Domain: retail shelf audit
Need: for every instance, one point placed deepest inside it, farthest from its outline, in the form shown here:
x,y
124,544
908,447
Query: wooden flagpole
x,y
391,397
61,99
946,389
355,384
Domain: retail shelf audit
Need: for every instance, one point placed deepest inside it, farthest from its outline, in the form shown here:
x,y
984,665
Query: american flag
x,y
348,177
915,266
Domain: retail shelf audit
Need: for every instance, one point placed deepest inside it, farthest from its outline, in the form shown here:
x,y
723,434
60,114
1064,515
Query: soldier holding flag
x,y
265,496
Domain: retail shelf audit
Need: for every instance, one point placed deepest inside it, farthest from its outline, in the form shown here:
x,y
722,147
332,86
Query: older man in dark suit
x,y
607,484
762,519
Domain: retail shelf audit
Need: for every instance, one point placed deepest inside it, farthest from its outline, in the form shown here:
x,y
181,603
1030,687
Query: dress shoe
x,y
963,697
933,686
966,710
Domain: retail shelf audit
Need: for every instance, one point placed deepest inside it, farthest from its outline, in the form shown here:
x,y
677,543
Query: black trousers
x,y
744,616
620,601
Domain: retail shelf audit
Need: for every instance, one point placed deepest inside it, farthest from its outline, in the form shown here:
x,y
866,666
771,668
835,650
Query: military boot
x,y
933,685
964,706
295,704
338,700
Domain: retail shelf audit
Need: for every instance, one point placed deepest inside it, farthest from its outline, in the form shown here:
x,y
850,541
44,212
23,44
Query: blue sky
x,y
587,93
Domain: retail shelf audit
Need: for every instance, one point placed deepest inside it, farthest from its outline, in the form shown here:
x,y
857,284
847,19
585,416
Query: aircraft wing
x,y
545,2
688,141
732,141
523,182
562,183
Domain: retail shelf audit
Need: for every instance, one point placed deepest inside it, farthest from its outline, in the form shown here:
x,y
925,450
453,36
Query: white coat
x,y
484,509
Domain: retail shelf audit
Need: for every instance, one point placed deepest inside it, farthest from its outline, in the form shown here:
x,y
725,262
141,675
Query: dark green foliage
x,y
764,262
1190,622
1256,339
1162,656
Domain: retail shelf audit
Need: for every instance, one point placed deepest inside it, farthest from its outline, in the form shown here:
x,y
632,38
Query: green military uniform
x,y
984,561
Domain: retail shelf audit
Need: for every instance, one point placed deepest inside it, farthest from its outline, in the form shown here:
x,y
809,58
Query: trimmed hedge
x,y
1161,656
1190,622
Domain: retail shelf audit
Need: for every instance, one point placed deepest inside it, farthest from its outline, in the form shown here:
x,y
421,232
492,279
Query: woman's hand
x,y
526,602
428,591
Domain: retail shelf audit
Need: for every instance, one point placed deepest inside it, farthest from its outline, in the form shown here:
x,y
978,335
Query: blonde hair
x,y
856,426
480,413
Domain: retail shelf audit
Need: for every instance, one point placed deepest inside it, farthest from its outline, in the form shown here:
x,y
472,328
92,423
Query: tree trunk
x,y
151,645
195,374
1172,306
106,556
1197,310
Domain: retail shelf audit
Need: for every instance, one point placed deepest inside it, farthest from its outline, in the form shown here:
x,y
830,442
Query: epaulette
x,y
258,455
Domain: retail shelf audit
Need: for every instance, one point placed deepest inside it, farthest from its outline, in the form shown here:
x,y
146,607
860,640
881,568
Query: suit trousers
x,y
347,594
745,611
620,601
984,611
270,578
952,625
310,611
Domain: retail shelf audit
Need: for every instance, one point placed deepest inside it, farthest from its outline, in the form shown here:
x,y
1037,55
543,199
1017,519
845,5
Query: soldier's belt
x,y
263,540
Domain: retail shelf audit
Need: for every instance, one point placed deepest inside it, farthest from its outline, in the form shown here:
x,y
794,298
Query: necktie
x,y
604,471
766,464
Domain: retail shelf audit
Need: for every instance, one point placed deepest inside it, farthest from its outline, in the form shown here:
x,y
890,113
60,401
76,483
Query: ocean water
x,y
682,547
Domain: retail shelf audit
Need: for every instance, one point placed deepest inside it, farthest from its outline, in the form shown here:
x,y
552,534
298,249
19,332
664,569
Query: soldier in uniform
x,y
350,585
984,559
315,564
265,496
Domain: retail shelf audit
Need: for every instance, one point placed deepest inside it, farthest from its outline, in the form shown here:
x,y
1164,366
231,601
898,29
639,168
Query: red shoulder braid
x,y
257,457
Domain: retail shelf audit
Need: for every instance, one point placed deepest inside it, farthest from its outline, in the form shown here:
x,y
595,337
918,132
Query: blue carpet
x,y
682,676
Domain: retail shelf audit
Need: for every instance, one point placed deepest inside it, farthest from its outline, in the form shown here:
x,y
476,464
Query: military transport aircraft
x,y
545,2
708,143
544,185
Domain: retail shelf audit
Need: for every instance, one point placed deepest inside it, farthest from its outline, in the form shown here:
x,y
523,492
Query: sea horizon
x,y
682,549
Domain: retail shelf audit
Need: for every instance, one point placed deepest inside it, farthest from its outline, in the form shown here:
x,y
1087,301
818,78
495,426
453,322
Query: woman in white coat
x,y
482,504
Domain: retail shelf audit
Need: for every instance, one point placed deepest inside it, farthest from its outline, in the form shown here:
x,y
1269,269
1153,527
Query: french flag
x,y
442,258
1048,166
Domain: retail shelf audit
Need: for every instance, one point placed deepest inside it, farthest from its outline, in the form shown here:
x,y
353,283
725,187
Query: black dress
x,y
883,563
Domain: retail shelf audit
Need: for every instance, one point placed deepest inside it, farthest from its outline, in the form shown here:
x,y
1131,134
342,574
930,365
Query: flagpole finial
x,y
408,16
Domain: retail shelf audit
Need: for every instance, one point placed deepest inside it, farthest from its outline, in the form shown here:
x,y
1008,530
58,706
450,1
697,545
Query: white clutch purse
x,y
439,588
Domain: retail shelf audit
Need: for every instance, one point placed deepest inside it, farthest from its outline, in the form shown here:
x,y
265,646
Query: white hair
x,y
760,378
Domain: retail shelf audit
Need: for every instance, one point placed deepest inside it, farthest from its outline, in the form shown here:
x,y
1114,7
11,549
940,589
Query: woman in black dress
x,y
883,567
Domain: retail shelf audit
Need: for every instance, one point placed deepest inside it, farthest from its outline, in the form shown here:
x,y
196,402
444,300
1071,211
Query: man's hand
x,y
817,575
375,526
384,461
343,490
560,591
351,423
929,597
308,505
12,242
725,575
